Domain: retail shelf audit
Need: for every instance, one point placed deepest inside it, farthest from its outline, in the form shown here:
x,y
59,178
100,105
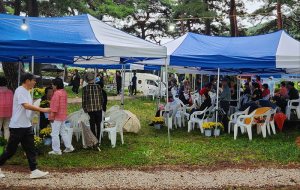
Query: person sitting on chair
x,y
206,104
266,90
206,88
293,94
256,92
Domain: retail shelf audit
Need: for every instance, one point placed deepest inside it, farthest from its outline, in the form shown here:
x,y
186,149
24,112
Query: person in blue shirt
x,y
97,78
271,85
134,78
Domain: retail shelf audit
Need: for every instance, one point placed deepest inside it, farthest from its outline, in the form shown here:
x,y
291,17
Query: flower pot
x,y
46,115
217,132
157,126
207,132
1,149
47,141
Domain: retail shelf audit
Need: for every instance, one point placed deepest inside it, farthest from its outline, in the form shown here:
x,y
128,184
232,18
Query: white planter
x,y
207,132
157,126
217,132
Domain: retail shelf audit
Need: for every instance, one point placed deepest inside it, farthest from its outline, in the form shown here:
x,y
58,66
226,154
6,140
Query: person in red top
x,y
6,105
58,117
266,91
258,81
282,91
206,88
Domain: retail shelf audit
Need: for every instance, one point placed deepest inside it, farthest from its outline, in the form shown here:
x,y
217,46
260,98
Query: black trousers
x,y
225,105
25,136
75,89
133,88
95,119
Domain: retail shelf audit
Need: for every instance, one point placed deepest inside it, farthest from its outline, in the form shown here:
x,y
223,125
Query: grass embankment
x,y
150,146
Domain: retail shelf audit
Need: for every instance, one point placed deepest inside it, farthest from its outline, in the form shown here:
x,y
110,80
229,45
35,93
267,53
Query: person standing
x,y
20,125
134,83
225,99
97,78
6,105
57,117
75,81
271,85
44,122
92,103
258,82
119,82
58,75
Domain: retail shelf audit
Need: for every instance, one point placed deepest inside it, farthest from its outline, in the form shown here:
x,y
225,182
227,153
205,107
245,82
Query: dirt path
x,y
154,178
79,100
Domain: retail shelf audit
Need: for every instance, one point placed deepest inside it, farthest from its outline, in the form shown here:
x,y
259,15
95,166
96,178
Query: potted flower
x,y
45,104
157,121
220,128
207,128
3,142
45,134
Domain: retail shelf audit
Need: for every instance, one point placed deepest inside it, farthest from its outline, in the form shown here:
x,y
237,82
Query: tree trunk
x,y
279,15
207,21
231,18
17,7
33,11
236,31
182,25
11,73
2,7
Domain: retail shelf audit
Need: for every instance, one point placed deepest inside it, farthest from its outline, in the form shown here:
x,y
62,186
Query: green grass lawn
x,y
150,146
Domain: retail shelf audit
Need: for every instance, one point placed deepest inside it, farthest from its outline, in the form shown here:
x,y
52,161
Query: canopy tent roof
x,y
82,35
274,50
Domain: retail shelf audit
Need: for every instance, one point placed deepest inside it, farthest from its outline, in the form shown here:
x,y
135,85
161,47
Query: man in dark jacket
x,y
119,82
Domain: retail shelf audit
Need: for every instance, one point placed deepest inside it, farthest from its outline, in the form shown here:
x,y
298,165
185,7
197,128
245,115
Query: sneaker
x,y
1,174
55,152
71,149
37,174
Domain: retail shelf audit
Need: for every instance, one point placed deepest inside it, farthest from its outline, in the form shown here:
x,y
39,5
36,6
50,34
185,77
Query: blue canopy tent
x,y
64,39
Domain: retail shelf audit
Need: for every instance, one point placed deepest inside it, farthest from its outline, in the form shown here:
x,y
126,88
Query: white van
x,y
145,81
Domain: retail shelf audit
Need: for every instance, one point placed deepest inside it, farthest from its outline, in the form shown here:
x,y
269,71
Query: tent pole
x,y
32,70
159,97
19,73
194,81
199,91
217,102
167,99
123,81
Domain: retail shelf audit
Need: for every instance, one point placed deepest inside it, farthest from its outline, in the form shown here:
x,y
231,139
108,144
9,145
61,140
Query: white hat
x,y
271,77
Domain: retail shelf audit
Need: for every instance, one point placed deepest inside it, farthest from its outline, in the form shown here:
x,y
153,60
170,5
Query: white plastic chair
x,y
290,107
262,127
172,115
194,119
118,123
233,117
75,119
241,123
272,123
